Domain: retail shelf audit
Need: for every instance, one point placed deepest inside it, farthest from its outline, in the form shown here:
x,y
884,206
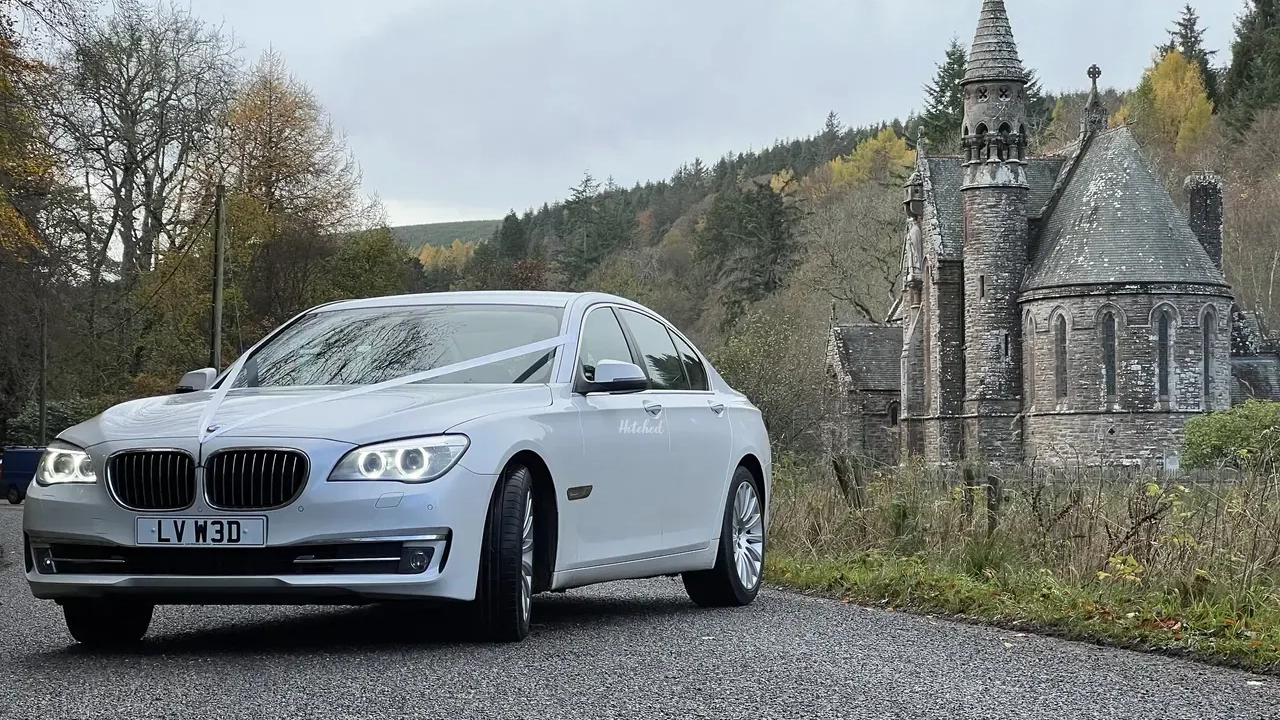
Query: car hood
x,y
369,417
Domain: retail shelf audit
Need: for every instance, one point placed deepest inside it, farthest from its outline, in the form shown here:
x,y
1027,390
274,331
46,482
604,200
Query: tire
x,y
504,589
14,495
725,585
107,623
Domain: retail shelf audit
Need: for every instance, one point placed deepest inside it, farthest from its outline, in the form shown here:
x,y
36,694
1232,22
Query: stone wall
x,y
1090,439
1136,423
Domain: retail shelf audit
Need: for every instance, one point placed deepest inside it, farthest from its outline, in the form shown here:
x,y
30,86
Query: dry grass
x,y
1167,562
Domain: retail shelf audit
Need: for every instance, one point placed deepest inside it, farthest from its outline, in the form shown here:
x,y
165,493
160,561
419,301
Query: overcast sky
x,y
463,109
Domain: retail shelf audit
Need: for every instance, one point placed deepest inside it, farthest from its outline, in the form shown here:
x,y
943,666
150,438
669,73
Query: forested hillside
x,y
418,237
751,252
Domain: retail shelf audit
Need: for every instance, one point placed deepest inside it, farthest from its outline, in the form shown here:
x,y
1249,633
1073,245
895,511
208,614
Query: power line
x,y
181,258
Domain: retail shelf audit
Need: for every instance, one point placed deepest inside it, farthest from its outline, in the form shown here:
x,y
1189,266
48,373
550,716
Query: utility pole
x,y
219,250
43,430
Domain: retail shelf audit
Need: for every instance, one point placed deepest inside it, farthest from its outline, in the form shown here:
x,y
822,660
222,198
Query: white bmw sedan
x,y
477,447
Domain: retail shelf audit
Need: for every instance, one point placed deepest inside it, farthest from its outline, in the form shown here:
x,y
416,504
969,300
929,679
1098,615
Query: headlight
x,y
63,463
417,460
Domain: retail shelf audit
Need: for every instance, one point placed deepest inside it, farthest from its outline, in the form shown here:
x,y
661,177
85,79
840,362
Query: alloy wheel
x,y
526,558
748,535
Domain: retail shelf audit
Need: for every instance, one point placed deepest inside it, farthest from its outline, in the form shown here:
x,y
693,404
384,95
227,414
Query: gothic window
x,y
982,94
1210,334
1029,358
894,412
1060,357
1109,352
1164,354
1004,92
1004,341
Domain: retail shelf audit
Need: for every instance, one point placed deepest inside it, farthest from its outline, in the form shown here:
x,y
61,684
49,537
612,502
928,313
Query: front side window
x,y
366,346
666,369
693,367
602,339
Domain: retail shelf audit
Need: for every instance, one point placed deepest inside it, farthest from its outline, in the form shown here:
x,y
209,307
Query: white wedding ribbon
x,y
207,426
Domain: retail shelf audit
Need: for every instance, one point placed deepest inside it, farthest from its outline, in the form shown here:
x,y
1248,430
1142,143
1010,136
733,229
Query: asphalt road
x,y
628,650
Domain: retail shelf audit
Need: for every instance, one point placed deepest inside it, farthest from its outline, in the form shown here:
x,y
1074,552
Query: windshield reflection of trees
x,y
368,347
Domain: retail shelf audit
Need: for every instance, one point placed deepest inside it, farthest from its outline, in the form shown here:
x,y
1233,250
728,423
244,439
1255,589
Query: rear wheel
x,y
14,495
107,623
735,579
504,590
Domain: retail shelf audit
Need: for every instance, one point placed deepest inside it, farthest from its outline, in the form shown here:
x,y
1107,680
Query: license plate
x,y
228,532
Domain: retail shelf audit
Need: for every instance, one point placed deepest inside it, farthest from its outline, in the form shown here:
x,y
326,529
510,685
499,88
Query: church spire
x,y
994,55
995,103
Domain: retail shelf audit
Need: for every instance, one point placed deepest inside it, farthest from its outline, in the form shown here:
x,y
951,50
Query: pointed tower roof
x,y
994,55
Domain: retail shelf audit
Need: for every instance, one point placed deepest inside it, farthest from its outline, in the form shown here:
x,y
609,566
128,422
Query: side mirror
x,y
617,377
197,380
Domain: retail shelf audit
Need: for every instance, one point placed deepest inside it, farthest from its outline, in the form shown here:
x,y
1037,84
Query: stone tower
x,y
995,236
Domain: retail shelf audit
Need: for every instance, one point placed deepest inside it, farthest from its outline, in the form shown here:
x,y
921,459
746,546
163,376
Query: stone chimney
x,y
1205,190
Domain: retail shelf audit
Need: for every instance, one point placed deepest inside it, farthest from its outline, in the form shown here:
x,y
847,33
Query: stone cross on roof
x,y
1095,113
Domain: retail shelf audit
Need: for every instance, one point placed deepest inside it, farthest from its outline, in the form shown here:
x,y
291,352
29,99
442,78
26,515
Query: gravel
x,y
634,649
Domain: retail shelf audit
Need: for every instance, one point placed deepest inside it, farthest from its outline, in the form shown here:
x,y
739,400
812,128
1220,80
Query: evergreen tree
x,y
1252,83
943,117
748,242
1187,37
1039,106
511,239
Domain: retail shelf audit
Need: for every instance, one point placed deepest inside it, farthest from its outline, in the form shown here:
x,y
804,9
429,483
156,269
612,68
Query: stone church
x,y
1057,309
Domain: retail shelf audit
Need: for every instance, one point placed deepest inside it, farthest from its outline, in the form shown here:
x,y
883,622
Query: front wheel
x,y
504,591
735,579
107,623
14,495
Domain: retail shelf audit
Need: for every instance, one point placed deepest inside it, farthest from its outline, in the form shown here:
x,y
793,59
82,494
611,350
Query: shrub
x,y
59,415
1247,435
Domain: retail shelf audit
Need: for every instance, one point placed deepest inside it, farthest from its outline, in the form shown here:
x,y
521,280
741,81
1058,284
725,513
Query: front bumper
x,y
335,543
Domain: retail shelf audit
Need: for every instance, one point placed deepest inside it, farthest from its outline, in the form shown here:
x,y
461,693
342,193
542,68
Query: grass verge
x,y
1222,631
1176,565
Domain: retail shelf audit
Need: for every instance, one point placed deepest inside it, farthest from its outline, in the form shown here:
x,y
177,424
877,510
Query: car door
x,y
693,487
620,517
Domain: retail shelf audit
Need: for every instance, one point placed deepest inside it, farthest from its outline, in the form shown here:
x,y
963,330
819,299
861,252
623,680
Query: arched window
x,y
1029,358
1109,352
1060,357
1209,325
895,411
1164,355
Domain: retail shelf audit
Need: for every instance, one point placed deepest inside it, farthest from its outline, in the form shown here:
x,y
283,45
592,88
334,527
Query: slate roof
x,y
1115,223
942,191
872,354
1255,377
1042,173
994,55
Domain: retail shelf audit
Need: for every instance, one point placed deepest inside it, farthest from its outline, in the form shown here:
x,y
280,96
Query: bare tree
x,y
854,241
140,95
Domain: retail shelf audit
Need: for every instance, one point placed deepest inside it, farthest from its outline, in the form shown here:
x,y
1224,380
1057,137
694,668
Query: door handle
x,y
717,408
652,408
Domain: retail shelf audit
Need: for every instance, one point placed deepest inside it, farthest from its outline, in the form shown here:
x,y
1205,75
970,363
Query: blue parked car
x,y
17,468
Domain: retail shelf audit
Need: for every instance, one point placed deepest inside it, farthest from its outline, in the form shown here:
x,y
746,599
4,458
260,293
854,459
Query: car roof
x,y
497,297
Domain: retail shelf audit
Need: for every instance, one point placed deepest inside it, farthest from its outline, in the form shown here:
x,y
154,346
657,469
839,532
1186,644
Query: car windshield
x,y
366,346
